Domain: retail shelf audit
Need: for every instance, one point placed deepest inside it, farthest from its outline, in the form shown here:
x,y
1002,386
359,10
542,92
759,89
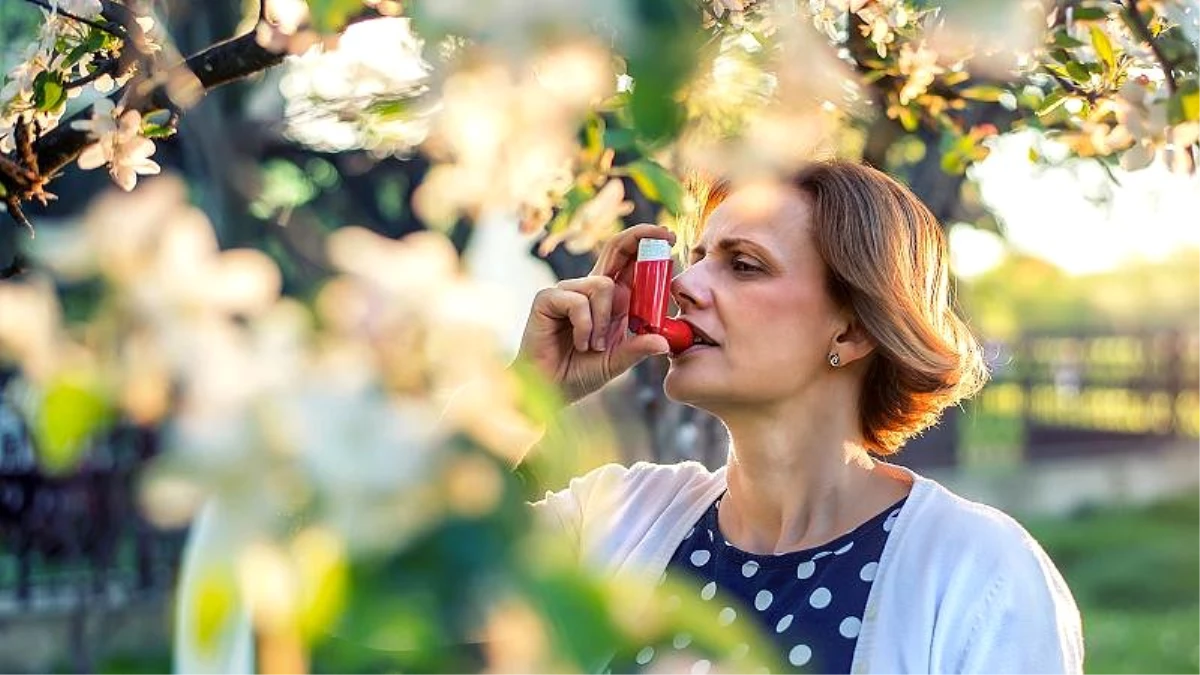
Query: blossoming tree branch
x,y
663,85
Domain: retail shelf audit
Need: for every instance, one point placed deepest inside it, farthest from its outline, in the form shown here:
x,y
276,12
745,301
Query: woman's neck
x,y
800,478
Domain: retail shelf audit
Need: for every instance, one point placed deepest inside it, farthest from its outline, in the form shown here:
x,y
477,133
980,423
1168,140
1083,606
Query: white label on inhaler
x,y
654,249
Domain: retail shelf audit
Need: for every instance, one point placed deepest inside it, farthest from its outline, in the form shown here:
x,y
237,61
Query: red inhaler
x,y
651,292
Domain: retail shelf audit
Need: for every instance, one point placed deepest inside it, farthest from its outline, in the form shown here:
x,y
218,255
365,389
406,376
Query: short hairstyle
x,y
886,259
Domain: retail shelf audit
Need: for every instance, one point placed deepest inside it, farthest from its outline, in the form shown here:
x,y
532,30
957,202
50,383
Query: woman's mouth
x,y
699,337
700,341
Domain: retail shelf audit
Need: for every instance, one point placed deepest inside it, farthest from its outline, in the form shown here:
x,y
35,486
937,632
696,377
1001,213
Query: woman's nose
x,y
687,289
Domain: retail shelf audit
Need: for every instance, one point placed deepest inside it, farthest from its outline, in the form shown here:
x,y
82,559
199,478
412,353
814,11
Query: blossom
x,y
593,222
921,67
365,92
118,144
286,27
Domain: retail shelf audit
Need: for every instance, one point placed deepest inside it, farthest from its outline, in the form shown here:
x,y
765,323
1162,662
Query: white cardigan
x,y
961,587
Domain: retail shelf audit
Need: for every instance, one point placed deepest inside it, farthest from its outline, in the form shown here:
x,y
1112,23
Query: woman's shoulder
x,y
644,481
940,521
651,476
984,567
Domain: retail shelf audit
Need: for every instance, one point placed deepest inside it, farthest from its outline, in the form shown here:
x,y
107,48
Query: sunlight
x,y
1074,217
973,251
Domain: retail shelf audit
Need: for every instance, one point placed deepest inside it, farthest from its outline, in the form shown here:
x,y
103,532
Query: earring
x,y
835,360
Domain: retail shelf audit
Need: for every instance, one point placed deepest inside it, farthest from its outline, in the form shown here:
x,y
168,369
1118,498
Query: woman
x,y
825,339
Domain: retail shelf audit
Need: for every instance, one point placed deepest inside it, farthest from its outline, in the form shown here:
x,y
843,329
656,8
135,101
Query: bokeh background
x,y
1078,266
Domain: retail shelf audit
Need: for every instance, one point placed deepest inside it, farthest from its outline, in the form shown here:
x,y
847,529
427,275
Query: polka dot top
x,y
809,603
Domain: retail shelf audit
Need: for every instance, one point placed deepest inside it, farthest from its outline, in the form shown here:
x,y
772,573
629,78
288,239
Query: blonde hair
x,y
886,259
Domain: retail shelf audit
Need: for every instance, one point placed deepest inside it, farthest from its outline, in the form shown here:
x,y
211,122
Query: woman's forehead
x,y
771,214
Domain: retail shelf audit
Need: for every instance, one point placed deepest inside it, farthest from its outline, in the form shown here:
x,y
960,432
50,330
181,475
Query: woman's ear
x,y
851,344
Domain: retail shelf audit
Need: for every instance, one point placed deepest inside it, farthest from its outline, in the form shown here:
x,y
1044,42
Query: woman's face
x,y
756,287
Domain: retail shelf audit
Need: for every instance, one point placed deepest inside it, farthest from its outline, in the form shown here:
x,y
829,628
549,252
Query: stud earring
x,y
835,360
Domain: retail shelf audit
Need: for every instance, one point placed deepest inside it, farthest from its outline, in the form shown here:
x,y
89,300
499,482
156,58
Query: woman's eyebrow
x,y
730,243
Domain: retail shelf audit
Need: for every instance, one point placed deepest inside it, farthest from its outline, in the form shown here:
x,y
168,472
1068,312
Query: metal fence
x,y
1073,394
75,544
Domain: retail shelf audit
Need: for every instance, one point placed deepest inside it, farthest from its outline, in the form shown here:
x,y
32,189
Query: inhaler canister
x,y
652,292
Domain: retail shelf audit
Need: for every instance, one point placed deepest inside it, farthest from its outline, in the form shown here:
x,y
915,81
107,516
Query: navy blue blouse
x,y
810,602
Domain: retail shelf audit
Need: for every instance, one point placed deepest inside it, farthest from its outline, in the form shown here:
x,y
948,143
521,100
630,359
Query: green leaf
x,y
157,131
657,184
593,136
330,16
393,108
1089,14
1104,49
657,116
156,124
48,92
1052,101
983,92
1061,56
1061,39
213,604
956,77
576,609
1078,72
1185,104
908,119
619,138
71,412
953,163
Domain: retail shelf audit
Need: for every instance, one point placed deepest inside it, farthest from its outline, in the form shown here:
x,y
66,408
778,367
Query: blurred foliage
x,y
1135,572
1027,294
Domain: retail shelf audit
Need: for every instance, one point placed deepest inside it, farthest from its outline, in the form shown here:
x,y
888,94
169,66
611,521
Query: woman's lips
x,y
697,347
699,335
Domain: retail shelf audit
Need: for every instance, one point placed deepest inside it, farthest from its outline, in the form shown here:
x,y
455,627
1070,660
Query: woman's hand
x,y
577,332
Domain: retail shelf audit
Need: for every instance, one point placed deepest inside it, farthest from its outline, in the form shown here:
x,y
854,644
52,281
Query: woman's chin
x,y
686,389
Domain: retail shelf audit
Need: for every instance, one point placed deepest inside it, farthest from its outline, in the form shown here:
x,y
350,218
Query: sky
x,y
1047,213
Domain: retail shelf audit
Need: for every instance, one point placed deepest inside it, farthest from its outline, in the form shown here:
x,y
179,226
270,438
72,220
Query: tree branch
x,y
220,64
1142,30
94,24
107,67
1138,24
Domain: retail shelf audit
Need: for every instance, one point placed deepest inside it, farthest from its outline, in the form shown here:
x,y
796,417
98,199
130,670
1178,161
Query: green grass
x,y
1135,573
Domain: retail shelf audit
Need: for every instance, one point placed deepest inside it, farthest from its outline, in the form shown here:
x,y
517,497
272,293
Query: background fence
x,y
75,546
1056,395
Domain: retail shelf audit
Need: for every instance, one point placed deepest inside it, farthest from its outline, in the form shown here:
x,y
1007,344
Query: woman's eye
x,y
740,265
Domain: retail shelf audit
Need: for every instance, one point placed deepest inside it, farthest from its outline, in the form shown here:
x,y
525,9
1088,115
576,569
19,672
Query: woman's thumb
x,y
632,350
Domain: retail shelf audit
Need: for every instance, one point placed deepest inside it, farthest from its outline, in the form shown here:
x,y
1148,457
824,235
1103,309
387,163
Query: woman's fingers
x,y
558,303
621,251
627,354
599,292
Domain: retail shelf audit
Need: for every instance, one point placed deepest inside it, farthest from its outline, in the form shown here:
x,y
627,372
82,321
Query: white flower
x,y
719,7
593,222
921,67
118,144
102,121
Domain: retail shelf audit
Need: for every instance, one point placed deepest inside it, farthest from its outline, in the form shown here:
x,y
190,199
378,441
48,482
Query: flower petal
x,y
93,156
124,177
